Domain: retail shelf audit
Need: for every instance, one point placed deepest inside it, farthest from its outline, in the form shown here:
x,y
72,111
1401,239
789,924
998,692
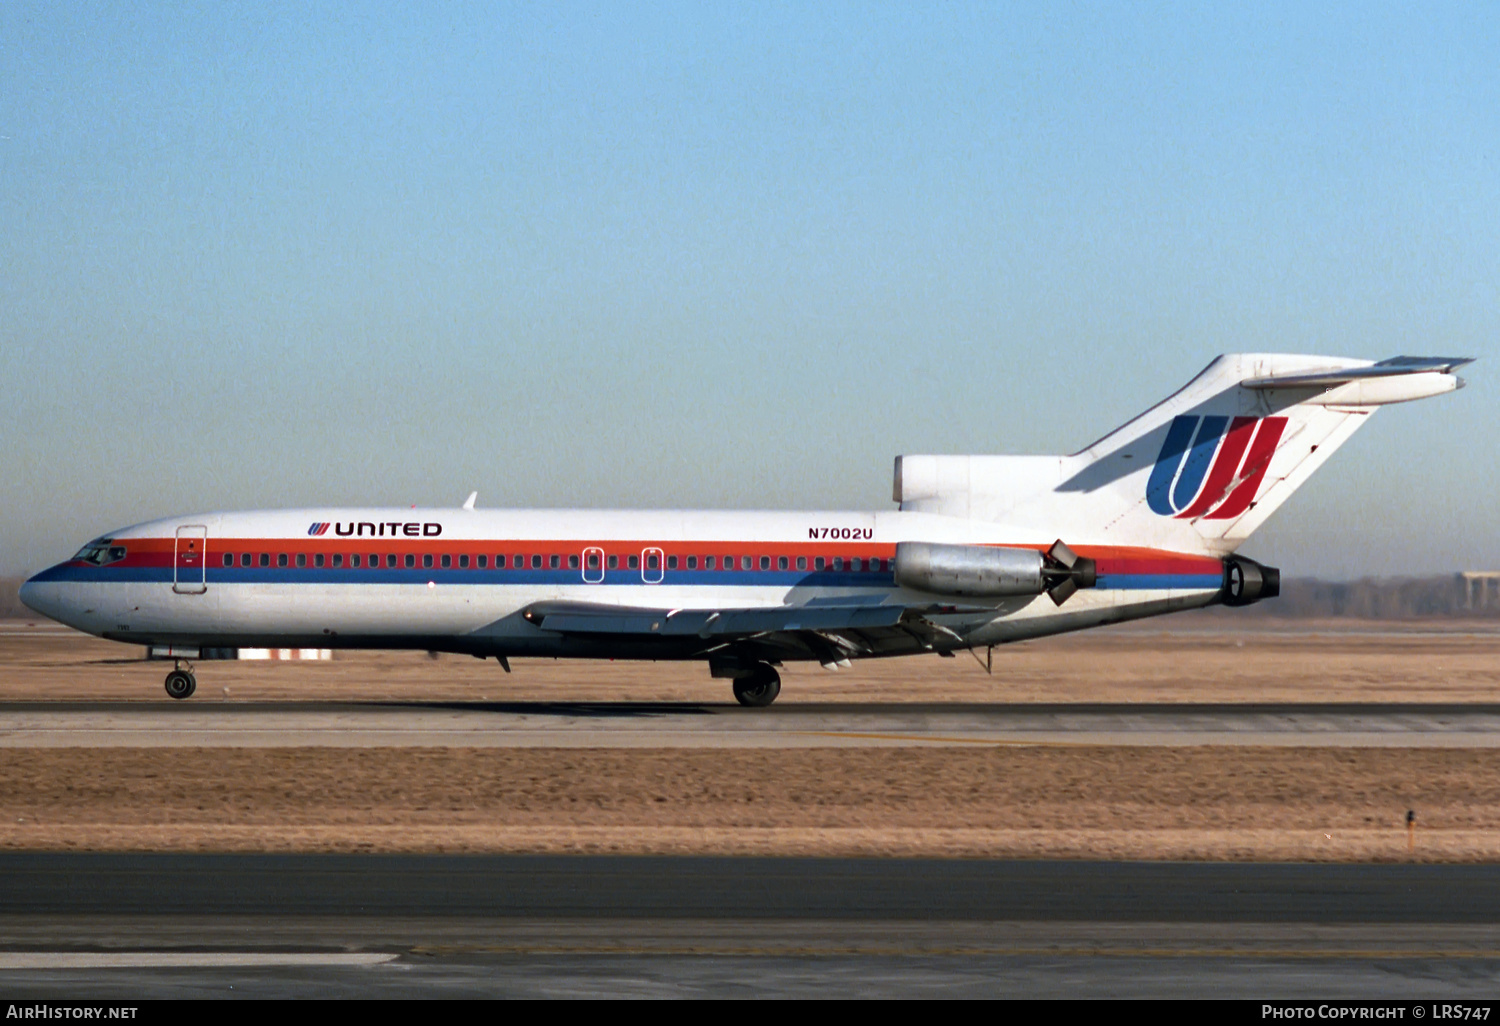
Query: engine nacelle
x,y
977,571
1246,581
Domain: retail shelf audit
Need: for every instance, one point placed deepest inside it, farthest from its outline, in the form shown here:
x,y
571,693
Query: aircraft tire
x,y
759,689
181,684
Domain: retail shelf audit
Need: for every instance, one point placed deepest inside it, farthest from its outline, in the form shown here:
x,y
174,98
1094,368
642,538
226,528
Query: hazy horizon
x,y
677,256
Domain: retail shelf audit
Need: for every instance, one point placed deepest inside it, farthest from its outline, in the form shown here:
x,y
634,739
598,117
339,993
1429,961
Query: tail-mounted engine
x,y
992,571
1246,581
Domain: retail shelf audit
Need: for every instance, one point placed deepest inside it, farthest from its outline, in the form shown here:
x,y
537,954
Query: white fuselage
x,y
458,579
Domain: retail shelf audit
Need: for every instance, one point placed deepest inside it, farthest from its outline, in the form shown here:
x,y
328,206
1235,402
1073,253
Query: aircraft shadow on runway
x,y
599,710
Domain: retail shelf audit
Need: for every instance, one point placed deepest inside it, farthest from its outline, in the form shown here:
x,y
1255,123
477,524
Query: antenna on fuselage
x,y
469,502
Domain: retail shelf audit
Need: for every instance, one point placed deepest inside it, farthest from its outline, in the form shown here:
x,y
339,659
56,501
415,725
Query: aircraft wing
x,y
585,618
829,633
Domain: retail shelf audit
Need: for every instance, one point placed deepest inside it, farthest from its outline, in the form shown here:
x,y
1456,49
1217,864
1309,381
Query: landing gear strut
x,y
759,688
181,683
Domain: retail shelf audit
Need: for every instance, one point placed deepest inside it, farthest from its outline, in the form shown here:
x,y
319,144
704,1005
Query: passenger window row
x,y
392,561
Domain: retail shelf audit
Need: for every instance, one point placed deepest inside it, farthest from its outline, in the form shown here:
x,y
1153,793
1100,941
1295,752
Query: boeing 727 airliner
x,y
983,550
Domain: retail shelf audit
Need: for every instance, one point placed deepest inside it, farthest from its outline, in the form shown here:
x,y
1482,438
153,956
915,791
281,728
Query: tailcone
x,y
1247,582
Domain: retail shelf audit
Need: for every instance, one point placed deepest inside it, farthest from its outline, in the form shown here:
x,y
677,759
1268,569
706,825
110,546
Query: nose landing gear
x,y
181,683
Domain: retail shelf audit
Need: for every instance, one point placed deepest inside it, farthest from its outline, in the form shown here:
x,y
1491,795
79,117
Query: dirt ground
x,y
1238,803
1332,662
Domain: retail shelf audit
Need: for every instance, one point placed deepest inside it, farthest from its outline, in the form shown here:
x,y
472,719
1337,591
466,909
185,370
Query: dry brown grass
x,y
1098,802
1122,802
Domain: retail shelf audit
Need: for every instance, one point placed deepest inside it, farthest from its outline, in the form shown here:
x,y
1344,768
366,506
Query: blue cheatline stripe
x,y
691,578
1193,471
1138,582
1159,487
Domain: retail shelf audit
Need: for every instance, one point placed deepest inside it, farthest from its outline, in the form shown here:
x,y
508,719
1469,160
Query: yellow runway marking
x,y
940,740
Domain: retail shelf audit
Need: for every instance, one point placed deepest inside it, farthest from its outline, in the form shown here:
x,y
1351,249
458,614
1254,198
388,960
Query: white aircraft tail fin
x,y
1199,471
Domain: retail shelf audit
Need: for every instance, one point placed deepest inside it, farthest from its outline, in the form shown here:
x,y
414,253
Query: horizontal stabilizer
x,y
1396,366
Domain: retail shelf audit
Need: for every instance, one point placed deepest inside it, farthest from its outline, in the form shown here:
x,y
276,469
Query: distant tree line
x,y
1390,598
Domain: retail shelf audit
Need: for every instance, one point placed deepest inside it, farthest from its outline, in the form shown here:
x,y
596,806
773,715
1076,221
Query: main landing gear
x,y
181,683
759,688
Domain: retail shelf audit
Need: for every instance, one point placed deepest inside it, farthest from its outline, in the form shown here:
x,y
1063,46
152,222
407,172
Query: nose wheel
x,y
181,683
760,688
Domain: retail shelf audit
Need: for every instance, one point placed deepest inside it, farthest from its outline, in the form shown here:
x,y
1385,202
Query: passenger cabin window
x,y
447,562
463,562
244,559
426,561
781,563
708,562
593,560
354,561
536,562
301,559
553,562
613,562
854,564
338,559
483,562
229,559
692,563
318,560
801,562
635,562
653,562
265,559
390,560
411,560
573,562
671,562
838,562
281,559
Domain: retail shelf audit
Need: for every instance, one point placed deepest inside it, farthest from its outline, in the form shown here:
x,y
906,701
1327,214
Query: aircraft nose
x,y
39,597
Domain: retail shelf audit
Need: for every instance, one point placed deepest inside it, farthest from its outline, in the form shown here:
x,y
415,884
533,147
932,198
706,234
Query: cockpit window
x,y
101,553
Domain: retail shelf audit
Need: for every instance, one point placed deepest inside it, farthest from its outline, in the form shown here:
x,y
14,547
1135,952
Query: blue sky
x,y
726,256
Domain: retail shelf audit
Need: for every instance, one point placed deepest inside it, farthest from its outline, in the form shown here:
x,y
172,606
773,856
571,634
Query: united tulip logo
x,y
1212,467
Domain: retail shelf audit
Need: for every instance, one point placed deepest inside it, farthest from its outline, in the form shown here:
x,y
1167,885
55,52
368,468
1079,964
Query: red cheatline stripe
x,y
1261,451
1221,475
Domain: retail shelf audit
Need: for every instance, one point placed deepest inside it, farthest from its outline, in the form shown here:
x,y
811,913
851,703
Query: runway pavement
x,y
125,926
692,725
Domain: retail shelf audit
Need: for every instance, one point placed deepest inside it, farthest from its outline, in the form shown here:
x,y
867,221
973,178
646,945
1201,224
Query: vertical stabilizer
x,y
1199,471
